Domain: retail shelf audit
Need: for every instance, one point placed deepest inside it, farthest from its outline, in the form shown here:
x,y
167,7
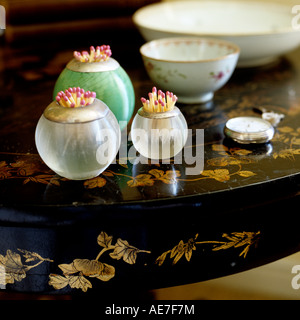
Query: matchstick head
x,y
100,54
159,101
75,97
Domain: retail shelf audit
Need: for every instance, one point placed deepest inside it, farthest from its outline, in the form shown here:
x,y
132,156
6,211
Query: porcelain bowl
x,y
264,30
192,68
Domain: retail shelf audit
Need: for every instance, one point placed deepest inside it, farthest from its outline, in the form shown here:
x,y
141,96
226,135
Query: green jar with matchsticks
x,y
99,72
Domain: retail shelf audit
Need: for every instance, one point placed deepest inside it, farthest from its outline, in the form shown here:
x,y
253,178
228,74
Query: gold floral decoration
x,y
76,273
97,182
227,157
29,170
148,179
234,240
291,138
4,171
12,268
79,273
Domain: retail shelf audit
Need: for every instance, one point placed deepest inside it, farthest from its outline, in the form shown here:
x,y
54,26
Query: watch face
x,y
249,130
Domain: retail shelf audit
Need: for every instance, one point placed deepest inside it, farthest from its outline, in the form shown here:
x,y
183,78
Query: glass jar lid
x,y
159,115
77,66
57,113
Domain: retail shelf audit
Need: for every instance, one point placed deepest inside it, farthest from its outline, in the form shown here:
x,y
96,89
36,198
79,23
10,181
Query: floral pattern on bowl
x,y
219,75
164,76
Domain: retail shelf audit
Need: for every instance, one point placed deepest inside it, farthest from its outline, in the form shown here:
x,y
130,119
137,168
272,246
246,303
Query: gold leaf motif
x,y
246,174
235,240
125,251
221,162
157,173
141,180
107,272
219,148
3,164
285,154
107,174
13,268
288,136
220,175
240,152
4,171
161,259
97,182
177,252
183,249
294,133
75,273
32,256
234,161
79,282
56,181
169,177
42,178
296,141
58,281
245,160
12,262
245,251
104,240
25,167
68,268
239,239
90,268
225,246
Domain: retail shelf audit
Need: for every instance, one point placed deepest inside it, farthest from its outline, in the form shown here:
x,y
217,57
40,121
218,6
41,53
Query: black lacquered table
x,y
140,226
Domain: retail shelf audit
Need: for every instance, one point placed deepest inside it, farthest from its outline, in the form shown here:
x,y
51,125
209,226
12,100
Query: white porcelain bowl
x,y
192,68
263,30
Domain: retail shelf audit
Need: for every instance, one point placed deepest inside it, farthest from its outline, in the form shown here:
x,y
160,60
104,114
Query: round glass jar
x,y
159,135
108,79
78,143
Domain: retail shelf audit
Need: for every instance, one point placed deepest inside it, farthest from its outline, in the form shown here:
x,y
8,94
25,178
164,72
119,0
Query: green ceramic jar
x,y
108,79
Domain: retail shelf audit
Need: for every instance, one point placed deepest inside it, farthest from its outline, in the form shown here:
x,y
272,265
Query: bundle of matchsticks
x,y
75,97
159,101
100,54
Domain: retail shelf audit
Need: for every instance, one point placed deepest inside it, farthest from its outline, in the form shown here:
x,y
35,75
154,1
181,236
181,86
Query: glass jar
x,y
159,135
78,143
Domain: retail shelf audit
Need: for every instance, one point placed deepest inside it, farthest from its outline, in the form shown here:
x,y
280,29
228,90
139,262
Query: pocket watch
x,y
248,130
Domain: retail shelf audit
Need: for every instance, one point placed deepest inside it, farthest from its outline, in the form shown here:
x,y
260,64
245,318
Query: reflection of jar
x,y
78,143
159,135
107,78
